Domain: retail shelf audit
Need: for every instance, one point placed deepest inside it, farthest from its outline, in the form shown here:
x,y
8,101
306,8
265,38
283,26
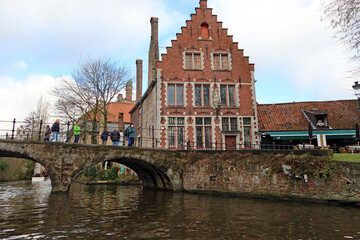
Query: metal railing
x,y
11,130
148,139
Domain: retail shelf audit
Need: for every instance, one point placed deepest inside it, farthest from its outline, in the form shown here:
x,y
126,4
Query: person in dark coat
x,y
115,137
104,136
47,133
55,128
132,135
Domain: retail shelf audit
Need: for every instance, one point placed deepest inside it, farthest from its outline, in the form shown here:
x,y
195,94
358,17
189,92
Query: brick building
x,y
201,93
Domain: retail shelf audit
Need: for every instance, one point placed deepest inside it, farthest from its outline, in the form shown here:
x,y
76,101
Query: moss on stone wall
x,y
320,167
18,169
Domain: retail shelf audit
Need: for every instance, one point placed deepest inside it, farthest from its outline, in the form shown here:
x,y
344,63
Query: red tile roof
x,y
342,114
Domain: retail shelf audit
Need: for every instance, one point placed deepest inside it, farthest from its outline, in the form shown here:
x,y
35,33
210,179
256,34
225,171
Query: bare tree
x,y
344,17
43,109
34,119
87,94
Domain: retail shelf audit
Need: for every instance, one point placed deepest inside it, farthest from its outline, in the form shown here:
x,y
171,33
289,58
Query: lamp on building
x,y
356,88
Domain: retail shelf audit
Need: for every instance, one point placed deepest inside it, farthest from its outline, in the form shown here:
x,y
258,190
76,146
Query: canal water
x,y
29,211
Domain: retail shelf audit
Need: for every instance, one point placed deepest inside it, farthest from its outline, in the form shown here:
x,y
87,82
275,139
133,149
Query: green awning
x,y
303,135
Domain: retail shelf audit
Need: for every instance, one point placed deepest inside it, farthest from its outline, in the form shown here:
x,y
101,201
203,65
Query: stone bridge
x,y
156,168
65,162
251,173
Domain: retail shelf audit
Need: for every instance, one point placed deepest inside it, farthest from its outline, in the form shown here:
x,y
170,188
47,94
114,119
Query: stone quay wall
x,y
274,176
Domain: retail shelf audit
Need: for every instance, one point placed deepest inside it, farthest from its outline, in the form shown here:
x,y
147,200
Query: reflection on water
x,y
29,211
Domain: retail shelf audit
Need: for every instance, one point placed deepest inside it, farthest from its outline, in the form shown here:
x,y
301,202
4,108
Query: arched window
x,y
204,31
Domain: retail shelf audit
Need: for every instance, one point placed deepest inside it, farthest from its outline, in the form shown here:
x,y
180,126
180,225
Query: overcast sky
x,y
296,57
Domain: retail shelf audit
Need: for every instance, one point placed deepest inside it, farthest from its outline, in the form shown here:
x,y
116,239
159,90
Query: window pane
x,y
233,124
197,95
199,140
223,95
216,61
180,121
188,61
180,140
225,61
207,121
179,95
198,121
247,136
208,137
247,121
171,136
171,121
225,124
171,94
231,95
197,61
206,90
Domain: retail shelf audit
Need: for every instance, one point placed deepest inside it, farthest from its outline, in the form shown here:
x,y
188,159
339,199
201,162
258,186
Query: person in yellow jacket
x,y
76,132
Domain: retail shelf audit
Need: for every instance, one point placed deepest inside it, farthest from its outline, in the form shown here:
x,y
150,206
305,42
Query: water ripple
x,y
29,211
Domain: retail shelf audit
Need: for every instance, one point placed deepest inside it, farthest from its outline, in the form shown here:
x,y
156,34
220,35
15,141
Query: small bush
x,y
101,174
111,174
3,166
91,172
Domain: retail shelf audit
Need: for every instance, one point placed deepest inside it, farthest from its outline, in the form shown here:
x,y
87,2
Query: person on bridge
x,y
104,136
126,134
55,128
115,137
121,140
47,133
76,132
20,132
132,135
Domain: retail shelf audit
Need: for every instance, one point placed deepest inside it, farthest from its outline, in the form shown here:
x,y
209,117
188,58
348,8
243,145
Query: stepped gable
x,y
218,41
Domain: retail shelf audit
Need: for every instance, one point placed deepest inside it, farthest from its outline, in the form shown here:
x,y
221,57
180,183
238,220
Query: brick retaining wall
x,y
261,176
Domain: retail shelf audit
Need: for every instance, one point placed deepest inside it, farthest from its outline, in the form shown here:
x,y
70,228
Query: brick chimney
x,y
121,121
139,69
203,3
154,49
129,90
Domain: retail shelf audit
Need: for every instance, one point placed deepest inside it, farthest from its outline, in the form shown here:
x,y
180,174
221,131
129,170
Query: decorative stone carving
x,y
216,98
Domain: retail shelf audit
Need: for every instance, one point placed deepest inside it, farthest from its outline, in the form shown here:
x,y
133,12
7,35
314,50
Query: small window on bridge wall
x,y
204,31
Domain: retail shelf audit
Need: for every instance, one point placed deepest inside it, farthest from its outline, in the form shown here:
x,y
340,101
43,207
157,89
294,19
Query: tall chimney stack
x,y
139,69
129,90
154,49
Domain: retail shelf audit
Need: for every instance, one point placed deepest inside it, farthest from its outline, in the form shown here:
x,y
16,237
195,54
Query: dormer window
x,y
204,31
320,123
318,118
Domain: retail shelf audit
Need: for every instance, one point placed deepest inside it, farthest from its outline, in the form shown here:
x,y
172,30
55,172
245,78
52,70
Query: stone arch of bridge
x,y
37,159
151,175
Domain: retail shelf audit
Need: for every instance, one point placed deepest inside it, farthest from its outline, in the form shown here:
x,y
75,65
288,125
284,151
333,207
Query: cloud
x,y
20,98
58,31
287,41
295,55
